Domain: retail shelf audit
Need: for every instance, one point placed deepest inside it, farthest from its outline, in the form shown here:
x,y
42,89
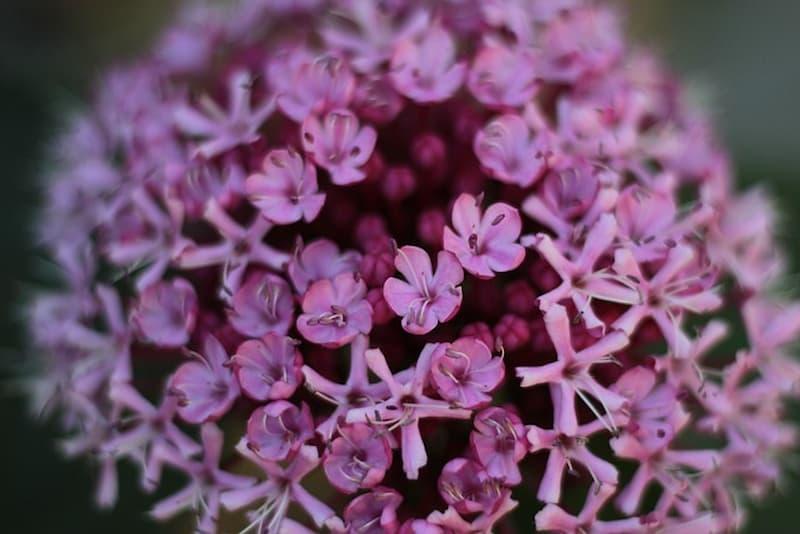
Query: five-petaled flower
x,y
335,311
427,298
484,243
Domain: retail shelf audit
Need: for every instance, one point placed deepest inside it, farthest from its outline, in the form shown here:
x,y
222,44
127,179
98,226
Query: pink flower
x,y
287,190
423,67
565,448
510,153
405,406
466,486
319,260
281,488
278,430
307,84
665,296
358,458
207,484
222,130
268,368
339,145
484,243
355,392
553,518
498,442
569,376
502,77
373,513
335,311
465,373
580,281
166,313
261,305
205,389
240,247
579,193
427,298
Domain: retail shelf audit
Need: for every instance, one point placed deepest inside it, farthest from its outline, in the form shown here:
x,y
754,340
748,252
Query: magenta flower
x,y
205,389
287,190
465,373
222,130
261,305
278,430
320,260
484,243
335,311
358,458
166,313
423,67
427,298
268,368
339,145
499,444
508,151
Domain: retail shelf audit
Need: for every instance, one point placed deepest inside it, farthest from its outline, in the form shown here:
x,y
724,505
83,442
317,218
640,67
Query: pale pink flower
x,y
484,243
427,298
335,311
262,304
503,77
307,84
499,443
166,313
268,368
358,458
205,389
465,373
569,375
221,130
423,67
406,405
339,145
278,430
320,259
509,151
286,191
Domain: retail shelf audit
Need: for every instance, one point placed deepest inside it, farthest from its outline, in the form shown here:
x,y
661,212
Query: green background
x,y
740,55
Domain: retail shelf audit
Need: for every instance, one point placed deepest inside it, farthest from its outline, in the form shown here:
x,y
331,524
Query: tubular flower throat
x,y
413,267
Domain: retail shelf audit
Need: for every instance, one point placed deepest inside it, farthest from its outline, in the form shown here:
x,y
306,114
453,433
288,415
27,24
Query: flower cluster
x,y
415,267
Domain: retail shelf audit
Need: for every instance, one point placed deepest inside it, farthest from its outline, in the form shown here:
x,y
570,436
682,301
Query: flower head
x,y
245,185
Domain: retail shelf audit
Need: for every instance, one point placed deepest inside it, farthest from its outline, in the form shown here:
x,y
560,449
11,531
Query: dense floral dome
x,y
416,267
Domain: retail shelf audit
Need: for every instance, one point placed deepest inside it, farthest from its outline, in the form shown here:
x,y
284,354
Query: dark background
x,y
741,56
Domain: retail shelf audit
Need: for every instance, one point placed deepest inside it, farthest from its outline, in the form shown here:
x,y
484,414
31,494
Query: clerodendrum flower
x,y
260,222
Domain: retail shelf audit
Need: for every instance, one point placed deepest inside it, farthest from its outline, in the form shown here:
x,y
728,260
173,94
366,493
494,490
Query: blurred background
x,y
741,57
